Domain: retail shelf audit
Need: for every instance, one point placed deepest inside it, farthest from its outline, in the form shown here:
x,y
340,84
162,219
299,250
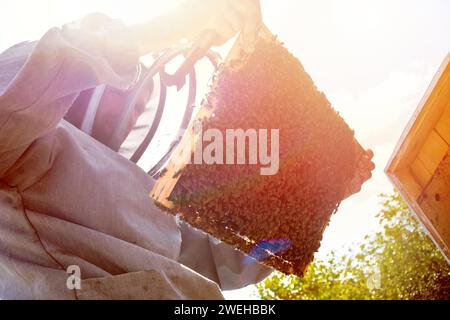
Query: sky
x,y
374,59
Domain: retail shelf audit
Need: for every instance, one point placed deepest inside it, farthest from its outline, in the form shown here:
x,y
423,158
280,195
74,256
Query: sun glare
x,y
31,19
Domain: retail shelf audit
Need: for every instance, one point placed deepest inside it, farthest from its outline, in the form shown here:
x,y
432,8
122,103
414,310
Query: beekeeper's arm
x,y
34,85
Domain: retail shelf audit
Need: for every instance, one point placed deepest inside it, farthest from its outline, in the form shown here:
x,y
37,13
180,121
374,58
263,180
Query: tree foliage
x,y
397,262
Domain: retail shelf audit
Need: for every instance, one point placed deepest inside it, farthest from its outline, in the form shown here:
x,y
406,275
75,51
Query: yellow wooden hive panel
x,y
420,165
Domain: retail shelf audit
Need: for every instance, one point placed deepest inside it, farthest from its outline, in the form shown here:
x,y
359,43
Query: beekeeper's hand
x,y
193,18
225,17
363,173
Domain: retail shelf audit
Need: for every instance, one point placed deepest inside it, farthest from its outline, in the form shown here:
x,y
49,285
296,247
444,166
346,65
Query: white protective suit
x,y
66,199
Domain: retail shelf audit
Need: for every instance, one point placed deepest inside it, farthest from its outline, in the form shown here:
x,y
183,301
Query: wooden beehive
x,y
420,165
278,220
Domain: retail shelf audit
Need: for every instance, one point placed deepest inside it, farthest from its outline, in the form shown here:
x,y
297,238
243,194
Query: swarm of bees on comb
x,y
277,219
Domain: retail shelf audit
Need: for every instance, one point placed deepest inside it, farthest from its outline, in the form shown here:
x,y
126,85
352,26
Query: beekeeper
x,y
76,221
